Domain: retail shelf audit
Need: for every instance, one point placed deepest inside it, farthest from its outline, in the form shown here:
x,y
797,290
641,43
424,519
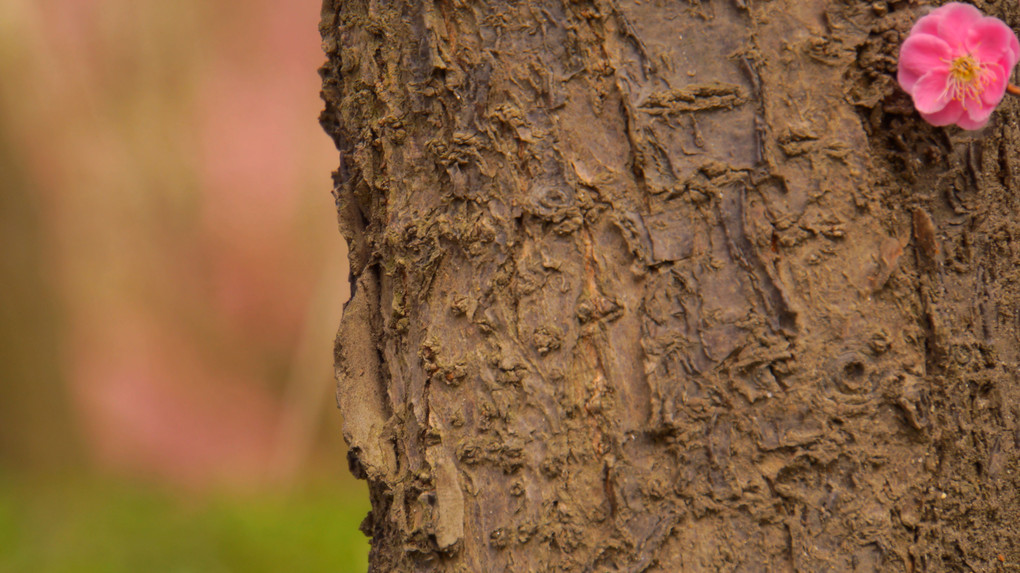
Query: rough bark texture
x,y
662,286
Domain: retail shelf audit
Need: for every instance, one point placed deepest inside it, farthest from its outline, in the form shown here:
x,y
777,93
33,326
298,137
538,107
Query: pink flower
x,y
956,63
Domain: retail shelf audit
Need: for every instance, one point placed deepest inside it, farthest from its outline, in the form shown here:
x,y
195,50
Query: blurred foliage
x,y
173,279
102,526
35,422
168,251
170,256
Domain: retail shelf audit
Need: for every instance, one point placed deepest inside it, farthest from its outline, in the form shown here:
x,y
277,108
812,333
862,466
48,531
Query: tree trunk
x,y
663,286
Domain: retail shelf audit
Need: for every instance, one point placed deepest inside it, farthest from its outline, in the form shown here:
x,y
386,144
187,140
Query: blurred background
x,y
171,278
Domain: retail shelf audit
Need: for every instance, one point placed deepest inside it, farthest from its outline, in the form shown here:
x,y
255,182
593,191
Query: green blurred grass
x,y
84,525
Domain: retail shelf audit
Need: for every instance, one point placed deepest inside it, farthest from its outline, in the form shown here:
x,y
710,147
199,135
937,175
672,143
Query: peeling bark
x,y
670,286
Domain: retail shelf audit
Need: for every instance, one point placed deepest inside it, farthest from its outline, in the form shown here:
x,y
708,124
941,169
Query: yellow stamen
x,y
967,79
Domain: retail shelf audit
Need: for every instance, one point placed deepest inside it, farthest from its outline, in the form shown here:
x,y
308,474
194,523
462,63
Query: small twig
x,y
1013,90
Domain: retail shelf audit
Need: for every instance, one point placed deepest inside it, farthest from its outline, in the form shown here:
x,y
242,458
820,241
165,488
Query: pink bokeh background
x,y
184,197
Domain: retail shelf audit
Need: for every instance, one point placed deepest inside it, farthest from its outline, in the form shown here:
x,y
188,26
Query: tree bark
x,y
670,286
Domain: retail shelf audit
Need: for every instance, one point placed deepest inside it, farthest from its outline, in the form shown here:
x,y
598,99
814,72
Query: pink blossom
x,y
956,63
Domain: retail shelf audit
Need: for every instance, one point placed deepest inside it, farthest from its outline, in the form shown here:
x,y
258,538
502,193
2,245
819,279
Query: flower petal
x,y
946,116
928,24
930,94
924,52
908,79
1010,57
955,23
989,39
995,89
921,54
975,117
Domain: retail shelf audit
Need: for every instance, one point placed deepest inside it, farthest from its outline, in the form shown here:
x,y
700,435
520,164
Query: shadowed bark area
x,y
669,286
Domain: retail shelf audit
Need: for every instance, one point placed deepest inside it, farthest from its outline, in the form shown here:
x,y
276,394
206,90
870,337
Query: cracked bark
x,y
636,288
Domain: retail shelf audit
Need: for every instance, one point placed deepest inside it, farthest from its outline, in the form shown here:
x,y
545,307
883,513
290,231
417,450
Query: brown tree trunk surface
x,y
660,286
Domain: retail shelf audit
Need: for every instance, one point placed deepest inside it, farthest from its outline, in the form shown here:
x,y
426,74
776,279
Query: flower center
x,y
967,79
